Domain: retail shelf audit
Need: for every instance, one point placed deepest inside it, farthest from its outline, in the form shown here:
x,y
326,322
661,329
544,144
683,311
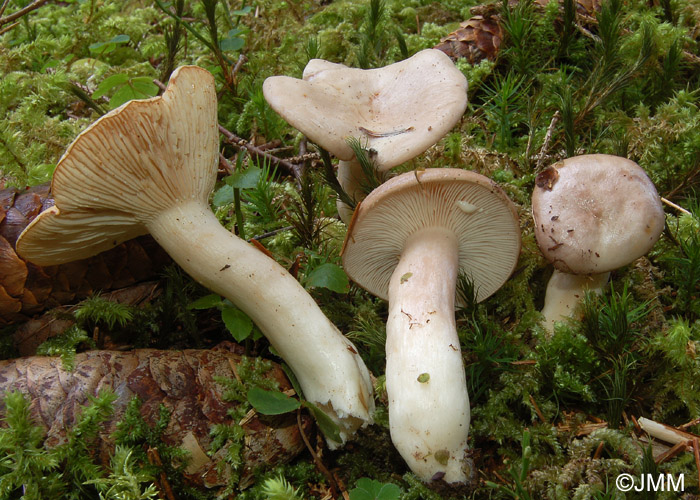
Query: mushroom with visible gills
x,y
397,112
407,243
148,167
593,214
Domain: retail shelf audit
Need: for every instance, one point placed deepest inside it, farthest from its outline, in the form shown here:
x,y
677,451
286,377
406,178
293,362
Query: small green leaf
x,y
145,86
242,12
371,489
237,322
329,276
109,45
109,83
405,277
271,402
329,428
206,302
244,179
423,378
120,39
233,40
223,196
129,91
292,379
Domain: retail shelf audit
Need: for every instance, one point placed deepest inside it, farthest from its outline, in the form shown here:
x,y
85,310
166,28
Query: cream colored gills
x,y
150,166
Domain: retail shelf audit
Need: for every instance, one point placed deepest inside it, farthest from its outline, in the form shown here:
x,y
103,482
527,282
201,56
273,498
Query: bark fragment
x,y
183,381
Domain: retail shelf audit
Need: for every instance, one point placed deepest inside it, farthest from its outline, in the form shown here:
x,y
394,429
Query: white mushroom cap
x,y
154,160
595,213
399,110
479,213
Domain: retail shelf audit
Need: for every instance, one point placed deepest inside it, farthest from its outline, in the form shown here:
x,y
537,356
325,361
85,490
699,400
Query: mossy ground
x,y
626,83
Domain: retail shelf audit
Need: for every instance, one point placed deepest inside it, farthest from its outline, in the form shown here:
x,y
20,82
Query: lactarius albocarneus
x,y
593,214
407,243
397,112
148,167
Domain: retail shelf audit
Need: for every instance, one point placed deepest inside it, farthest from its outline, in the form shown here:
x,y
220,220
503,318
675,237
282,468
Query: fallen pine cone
x,y
26,289
183,381
480,36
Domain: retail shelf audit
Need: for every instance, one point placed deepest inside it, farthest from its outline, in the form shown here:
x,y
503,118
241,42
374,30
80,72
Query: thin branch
x,y
547,138
16,15
271,233
234,140
335,487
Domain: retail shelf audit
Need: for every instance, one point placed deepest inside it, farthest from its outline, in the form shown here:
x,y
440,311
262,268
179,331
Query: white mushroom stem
x,y
330,372
565,292
350,177
425,379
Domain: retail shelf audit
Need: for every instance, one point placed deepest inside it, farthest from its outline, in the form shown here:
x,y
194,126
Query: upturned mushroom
x,y
397,112
593,214
148,167
407,243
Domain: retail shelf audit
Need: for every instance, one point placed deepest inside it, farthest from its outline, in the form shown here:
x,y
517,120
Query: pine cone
x,y
480,36
183,381
26,289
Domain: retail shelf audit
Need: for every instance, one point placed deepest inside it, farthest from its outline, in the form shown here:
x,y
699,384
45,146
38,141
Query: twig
x,y
234,140
599,450
271,233
677,207
686,425
241,60
319,465
4,6
8,28
547,139
162,483
16,15
665,432
696,452
537,409
672,452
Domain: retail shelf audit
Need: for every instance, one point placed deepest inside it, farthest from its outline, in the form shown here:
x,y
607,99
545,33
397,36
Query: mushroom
x,y
407,243
148,167
397,112
593,214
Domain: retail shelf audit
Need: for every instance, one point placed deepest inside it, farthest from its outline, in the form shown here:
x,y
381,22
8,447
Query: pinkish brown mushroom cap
x,y
595,213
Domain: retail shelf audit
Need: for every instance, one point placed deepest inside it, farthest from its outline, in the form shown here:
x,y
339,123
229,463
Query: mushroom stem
x,y
330,372
565,292
425,379
350,177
